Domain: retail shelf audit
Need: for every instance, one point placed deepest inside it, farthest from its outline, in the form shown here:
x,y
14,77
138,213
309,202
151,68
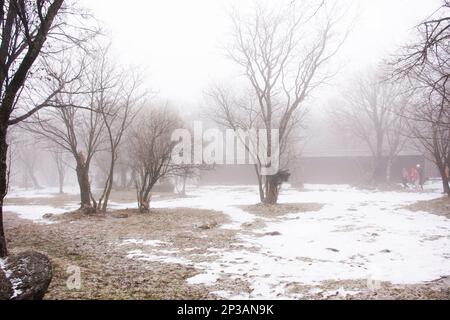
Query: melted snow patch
x,y
152,243
203,278
140,255
36,213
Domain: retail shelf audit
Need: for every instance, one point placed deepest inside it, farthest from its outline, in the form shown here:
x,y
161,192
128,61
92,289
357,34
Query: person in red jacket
x,y
415,179
405,178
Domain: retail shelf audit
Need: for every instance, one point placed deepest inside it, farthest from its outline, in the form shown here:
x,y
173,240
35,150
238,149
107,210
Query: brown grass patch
x,y
440,206
282,209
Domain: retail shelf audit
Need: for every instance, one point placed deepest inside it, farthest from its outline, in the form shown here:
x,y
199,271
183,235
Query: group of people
x,y
413,176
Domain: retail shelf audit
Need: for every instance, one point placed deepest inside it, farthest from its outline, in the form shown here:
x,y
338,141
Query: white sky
x,y
177,42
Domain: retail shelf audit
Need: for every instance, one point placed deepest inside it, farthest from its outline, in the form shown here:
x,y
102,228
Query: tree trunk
x,y
260,184
109,184
82,170
378,174
123,178
61,183
272,191
445,181
144,203
183,190
3,186
389,171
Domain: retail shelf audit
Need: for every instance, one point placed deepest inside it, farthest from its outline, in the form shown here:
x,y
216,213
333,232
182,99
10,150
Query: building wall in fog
x,y
348,170
322,170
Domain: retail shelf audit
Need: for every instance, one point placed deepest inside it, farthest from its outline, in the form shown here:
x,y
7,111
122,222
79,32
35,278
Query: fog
x,y
226,149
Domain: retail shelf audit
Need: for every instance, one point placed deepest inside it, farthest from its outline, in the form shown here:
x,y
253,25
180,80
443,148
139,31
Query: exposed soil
x,y
440,206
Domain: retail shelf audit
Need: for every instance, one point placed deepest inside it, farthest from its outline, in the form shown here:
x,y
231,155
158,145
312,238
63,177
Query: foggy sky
x,y
177,42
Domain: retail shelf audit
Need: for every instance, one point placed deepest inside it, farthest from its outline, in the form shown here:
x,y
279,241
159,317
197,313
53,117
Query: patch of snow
x,y
47,192
36,212
140,255
203,278
366,230
358,234
152,243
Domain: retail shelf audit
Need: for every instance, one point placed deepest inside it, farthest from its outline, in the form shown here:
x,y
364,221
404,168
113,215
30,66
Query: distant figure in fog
x,y
421,178
405,178
414,176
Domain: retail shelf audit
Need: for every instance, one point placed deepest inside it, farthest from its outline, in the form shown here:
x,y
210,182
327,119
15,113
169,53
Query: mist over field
x,y
224,150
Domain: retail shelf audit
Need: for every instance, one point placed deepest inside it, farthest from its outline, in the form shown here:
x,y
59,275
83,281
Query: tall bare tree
x,y
119,97
425,63
282,59
151,150
27,27
61,167
371,111
75,124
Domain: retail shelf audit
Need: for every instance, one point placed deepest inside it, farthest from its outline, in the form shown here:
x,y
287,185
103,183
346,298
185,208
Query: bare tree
x,y
425,64
61,167
75,124
151,150
427,119
371,111
27,27
29,160
119,95
283,60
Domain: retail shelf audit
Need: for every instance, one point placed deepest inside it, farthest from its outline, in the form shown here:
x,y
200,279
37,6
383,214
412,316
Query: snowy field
x,y
356,235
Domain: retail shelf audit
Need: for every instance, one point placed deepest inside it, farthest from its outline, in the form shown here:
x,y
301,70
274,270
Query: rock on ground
x,y
25,276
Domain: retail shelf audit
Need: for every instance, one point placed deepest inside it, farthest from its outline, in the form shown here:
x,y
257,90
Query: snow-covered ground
x,y
357,235
47,192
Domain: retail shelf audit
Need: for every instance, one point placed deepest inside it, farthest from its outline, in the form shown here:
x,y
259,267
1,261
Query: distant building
x,y
349,167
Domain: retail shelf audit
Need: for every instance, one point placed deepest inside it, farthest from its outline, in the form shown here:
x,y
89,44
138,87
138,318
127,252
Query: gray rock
x,y
208,226
48,216
26,276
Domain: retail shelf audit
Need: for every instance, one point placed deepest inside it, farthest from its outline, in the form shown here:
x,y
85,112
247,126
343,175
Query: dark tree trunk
x,y
3,186
108,188
445,181
82,170
272,190
260,185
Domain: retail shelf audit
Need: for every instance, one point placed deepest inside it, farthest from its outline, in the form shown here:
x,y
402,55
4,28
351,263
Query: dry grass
x,y
440,206
277,210
92,243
